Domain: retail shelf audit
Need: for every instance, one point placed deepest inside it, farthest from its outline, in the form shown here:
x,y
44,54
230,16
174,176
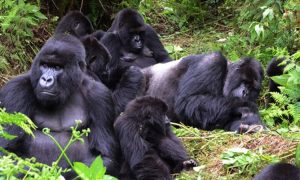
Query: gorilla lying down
x,y
150,149
208,92
54,93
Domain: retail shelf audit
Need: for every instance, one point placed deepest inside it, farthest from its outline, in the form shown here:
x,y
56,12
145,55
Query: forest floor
x,y
220,154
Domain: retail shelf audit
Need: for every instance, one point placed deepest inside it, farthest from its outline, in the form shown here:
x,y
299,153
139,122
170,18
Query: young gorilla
x,y
54,94
279,171
133,42
205,92
149,147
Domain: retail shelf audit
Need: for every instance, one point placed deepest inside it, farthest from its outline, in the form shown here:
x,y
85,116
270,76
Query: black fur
x,y
74,23
204,92
279,171
127,83
274,69
54,93
149,147
129,24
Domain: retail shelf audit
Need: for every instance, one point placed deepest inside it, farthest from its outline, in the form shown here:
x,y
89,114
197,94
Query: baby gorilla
x,y
149,147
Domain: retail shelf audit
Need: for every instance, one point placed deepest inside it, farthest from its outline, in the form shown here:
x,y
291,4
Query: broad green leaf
x,y
268,12
259,29
281,80
97,168
82,170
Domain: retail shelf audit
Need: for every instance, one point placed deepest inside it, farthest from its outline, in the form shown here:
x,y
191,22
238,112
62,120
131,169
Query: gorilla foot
x,y
189,164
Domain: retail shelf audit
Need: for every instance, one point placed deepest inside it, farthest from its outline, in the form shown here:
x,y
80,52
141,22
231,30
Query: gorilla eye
x,y
148,116
93,59
57,67
44,65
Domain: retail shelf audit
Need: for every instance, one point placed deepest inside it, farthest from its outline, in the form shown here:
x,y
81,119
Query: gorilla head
x,y
74,23
97,57
143,109
131,28
56,70
244,79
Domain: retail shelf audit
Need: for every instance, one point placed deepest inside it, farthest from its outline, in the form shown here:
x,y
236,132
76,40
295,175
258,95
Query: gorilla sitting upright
x,y
205,92
54,94
149,147
134,42
127,82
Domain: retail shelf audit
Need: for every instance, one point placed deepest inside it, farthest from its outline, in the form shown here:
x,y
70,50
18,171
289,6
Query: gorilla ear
x,y
74,23
82,65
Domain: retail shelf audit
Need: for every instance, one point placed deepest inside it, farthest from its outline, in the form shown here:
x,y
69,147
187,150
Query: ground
x,y
208,147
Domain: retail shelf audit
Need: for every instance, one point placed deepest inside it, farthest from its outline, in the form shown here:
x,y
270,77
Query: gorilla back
x,y
54,94
205,92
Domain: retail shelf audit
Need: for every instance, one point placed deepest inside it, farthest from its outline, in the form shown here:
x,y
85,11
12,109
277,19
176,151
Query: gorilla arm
x,y
200,101
172,151
126,82
17,96
128,133
154,44
130,86
102,115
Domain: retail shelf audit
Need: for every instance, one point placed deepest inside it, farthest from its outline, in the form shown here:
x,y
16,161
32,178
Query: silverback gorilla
x,y
150,149
54,93
207,92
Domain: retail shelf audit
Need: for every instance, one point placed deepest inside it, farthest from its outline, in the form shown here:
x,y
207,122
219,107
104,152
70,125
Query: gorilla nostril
x,y
46,81
50,80
244,93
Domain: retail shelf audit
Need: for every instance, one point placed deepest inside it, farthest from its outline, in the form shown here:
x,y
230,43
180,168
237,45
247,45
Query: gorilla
x,y
149,147
129,81
274,69
279,171
74,23
132,42
54,94
208,92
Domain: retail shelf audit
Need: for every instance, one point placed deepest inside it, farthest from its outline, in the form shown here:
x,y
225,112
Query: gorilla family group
x,y
125,88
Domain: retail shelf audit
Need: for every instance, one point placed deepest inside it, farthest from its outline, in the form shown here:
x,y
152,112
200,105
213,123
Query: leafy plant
x,y
243,160
95,171
287,103
17,19
11,166
17,119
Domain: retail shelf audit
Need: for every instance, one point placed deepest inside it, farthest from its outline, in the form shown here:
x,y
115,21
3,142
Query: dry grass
x,y
207,146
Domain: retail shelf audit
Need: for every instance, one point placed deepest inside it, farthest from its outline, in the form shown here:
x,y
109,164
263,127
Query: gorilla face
x,y
244,79
136,42
47,88
57,70
97,57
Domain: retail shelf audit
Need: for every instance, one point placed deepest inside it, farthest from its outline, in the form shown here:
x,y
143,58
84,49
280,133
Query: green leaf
x,y
97,168
268,12
281,80
298,156
259,29
82,170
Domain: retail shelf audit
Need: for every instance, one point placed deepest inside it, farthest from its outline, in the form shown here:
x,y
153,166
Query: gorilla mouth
x,y
49,93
